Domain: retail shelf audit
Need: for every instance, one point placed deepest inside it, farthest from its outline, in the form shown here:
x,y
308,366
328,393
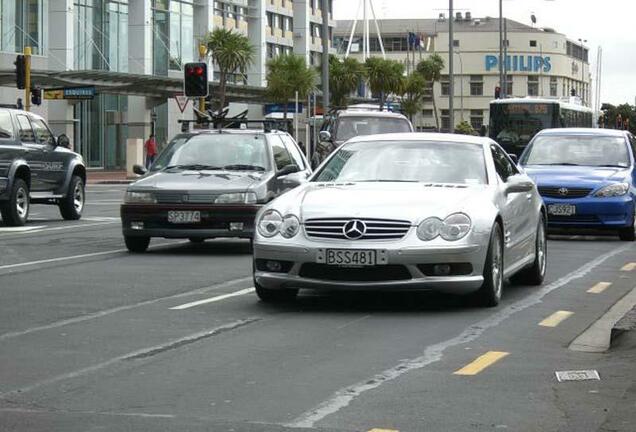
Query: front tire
x,y
137,244
275,296
535,274
489,294
629,233
15,211
72,205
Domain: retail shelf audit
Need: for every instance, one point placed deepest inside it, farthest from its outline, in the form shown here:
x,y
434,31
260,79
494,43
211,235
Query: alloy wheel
x,y
22,203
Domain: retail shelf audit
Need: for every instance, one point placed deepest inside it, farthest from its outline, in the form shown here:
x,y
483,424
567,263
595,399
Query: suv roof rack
x,y
268,125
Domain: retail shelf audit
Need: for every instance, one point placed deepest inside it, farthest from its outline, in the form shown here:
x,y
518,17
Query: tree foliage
x,y
431,70
465,128
344,77
414,92
232,52
384,77
288,74
610,113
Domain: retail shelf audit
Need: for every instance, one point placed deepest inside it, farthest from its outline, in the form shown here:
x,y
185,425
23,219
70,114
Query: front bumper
x,y
405,263
594,213
215,221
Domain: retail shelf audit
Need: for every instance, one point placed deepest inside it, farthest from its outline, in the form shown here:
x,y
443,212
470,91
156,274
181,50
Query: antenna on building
x,y
368,11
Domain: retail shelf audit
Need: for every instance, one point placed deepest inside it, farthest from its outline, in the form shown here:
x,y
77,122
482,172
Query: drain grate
x,y
577,375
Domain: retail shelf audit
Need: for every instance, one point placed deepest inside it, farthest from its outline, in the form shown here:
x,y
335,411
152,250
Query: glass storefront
x,y
22,24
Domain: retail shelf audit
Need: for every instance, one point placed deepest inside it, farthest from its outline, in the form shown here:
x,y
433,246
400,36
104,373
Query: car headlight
x,y
613,190
236,198
429,228
454,227
290,226
132,197
270,223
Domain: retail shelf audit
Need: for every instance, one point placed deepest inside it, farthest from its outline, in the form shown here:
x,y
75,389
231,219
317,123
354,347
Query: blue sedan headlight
x,y
613,190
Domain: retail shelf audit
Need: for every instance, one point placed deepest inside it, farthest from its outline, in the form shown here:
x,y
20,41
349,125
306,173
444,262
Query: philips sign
x,y
518,63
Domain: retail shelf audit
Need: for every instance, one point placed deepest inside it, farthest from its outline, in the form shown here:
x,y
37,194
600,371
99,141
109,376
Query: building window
x,y
533,43
476,85
445,82
427,113
445,120
509,87
476,119
181,33
456,43
553,86
533,86
22,23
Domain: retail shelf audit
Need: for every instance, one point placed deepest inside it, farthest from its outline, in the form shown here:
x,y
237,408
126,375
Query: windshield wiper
x,y
611,166
386,181
244,167
196,167
558,163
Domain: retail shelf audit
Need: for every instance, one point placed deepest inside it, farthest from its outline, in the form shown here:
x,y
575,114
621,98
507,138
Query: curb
x,y
598,337
625,324
112,182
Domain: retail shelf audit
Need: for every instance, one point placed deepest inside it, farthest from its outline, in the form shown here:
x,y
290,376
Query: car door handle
x,y
529,197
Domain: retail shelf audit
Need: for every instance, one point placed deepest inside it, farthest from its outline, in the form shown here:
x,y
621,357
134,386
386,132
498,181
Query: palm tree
x,y
384,77
431,69
414,93
344,77
288,74
232,52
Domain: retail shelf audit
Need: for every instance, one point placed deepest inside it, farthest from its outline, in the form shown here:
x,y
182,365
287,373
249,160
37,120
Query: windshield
x,y
349,127
215,151
430,162
515,124
585,150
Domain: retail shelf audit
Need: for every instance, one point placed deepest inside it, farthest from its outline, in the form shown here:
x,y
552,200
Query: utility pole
x,y
325,56
505,58
202,51
27,78
451,75
502,86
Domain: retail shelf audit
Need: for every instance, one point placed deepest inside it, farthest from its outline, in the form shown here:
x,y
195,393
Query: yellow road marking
x,y
629,267
481,363
383,430
599,287
555,319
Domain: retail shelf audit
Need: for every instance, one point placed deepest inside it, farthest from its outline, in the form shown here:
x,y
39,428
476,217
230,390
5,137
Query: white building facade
x,y
540,62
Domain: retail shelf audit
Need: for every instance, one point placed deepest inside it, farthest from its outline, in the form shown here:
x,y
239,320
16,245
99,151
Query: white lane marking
x,y
139,354
70,258
106,312
357,320
213,299
434,353
101,413
20,229
68,227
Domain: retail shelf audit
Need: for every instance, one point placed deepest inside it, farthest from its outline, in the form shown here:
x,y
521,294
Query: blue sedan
x,y
587,178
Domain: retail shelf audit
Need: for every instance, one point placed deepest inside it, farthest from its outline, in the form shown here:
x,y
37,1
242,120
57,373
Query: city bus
x,y
513,122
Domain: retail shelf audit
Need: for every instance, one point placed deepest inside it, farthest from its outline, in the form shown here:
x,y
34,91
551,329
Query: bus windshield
x,y
513,125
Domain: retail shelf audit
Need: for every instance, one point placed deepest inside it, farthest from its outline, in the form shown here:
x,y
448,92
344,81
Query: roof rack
x,y
269,125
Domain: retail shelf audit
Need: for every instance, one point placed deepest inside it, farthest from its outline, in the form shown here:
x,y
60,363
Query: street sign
x,y
182,101
71,93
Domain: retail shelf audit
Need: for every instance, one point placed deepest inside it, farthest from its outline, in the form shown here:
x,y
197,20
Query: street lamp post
x,y
582,41
502,85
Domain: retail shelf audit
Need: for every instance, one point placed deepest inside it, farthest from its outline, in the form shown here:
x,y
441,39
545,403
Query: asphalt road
x,y
93,338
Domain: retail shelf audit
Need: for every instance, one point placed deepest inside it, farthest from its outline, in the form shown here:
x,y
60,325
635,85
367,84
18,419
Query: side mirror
x,y
514,158
139,170
325,136
63,141
289,169
518,184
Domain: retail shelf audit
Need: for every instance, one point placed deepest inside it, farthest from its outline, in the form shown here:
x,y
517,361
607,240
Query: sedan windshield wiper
x,y
386,181
558,163
196,167
244,167
611,166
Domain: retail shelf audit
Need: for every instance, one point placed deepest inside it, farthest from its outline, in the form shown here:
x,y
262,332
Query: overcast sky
x,y
608,23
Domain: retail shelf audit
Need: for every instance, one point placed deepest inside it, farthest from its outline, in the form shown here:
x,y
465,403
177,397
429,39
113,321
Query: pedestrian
x,y
150,147
483,130
626,124
619,122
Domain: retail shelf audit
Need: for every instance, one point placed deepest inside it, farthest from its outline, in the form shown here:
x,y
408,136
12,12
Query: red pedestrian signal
x,y
195,80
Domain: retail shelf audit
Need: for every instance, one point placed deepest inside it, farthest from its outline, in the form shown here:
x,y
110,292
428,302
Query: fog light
x,y
442,270
236,226
137,225
273,266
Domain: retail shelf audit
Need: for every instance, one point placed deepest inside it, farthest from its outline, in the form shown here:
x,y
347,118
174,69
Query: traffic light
x,y
20,72
497,92
36,96
196,79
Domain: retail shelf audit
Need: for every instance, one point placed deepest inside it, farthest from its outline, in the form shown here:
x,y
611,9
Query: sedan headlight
x,y
132,197
236,198
453,228
270,223
613,190
290,226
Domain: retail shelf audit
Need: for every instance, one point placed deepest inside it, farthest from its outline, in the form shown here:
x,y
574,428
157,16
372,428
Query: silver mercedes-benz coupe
x,y
412,211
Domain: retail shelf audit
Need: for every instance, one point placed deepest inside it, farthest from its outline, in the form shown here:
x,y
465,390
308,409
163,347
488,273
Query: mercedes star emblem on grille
x,y
563,191
354,229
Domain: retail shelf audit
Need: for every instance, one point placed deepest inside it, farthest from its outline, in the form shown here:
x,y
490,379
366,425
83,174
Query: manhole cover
x,y
577,375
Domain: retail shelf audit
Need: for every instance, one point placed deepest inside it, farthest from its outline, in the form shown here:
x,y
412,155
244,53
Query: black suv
x,y
210,183
36,167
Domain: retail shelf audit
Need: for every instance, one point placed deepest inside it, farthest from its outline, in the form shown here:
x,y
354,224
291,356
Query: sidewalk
x,y
107,177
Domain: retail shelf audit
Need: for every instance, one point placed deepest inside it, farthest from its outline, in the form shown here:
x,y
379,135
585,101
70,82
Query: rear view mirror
x,y
139,170
63,141
289,169
518,184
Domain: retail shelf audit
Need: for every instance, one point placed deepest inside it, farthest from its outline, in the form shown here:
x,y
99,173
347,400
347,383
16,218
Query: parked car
x,y
587,178
210,183
405,212
37,168
355,122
